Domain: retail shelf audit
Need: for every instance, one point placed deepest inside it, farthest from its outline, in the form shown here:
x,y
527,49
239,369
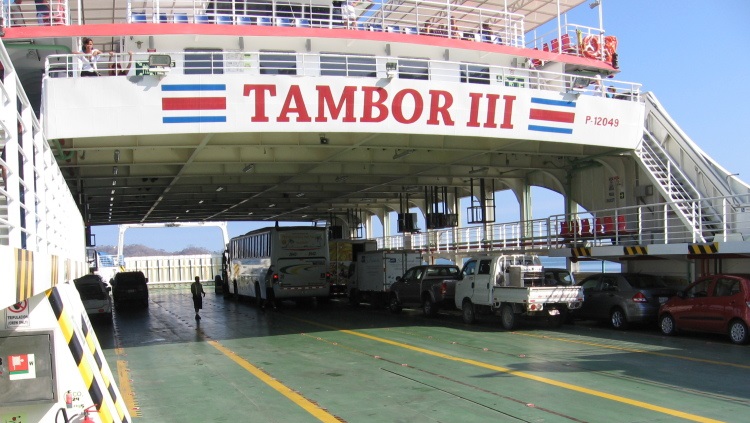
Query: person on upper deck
x,y
116,66
88,57
350,14
488,35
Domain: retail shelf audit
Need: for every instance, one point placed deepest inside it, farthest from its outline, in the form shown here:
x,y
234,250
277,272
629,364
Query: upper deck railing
x,y
413,17
344,65
636,225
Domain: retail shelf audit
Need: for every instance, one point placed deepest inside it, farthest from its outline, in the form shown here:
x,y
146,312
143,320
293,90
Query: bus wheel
x,y
271,299
258,299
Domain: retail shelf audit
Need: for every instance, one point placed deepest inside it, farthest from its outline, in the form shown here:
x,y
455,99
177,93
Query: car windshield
x,y
91,292
646,281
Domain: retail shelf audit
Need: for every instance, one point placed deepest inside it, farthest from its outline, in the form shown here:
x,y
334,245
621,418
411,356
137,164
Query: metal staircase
x,y
677,189
687,201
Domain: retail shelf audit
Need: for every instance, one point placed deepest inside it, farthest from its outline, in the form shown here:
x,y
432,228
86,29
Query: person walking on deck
x,y
197,289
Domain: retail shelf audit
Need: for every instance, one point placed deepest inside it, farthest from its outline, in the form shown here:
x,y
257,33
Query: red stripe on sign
x,y
194,103
552,116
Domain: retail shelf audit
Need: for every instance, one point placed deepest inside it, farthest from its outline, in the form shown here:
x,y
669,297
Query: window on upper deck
x,y
204,61
413,69
278,64
475,74
340,65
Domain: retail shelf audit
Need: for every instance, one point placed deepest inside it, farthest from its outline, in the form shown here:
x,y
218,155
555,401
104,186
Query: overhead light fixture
x,y
391,69
248,168
114,182
187,211
219,189
270,206
323,139
117,156
250,214
300,194
200,202
112,193
477,170
402,153
595,3
342,178
114,170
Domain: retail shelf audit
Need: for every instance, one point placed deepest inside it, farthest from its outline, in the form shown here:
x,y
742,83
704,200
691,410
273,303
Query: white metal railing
x,y
36,13
636,225
407,17
326,64
37,210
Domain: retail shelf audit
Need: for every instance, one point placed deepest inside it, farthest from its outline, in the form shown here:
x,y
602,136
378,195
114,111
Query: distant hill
x,y
138,250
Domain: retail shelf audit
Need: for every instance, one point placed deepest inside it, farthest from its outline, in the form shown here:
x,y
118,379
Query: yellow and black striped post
x,y
580,252
83,359
711,248
635,250
24,274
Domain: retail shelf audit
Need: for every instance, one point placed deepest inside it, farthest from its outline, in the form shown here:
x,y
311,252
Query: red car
x,y
716,304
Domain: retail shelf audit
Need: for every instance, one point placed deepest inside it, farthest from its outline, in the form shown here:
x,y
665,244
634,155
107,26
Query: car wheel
x,y
354,298
429,307
393,305
738,332
667,326
617,319
556,321
467,309
508,317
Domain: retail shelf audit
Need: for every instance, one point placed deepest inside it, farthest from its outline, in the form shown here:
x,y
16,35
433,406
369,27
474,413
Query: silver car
x,y
95,296
622,298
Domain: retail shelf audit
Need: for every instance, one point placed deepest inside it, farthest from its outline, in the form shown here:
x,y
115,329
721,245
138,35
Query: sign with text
x,y
278,103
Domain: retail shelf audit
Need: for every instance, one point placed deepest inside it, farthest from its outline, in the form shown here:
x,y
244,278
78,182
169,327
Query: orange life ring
x,y
610,47
591,47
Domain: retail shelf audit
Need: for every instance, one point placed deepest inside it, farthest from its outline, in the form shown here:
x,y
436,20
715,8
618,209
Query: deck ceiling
x,y
296,177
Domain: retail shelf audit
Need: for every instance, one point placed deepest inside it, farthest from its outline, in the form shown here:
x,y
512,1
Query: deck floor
x,y
335,363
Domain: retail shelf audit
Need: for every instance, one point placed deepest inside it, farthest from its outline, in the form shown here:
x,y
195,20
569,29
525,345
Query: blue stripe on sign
x,y
194,87
550,129
194,119
553,102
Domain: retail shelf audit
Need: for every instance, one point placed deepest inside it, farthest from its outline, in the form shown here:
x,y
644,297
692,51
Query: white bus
x,y
279,263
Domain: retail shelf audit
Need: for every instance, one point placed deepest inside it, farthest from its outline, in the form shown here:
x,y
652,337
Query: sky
x,y
692,55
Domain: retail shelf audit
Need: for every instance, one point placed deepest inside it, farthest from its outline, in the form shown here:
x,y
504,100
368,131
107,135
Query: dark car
x,y
558,277
714,304
95,296
430,287
622,298
129,288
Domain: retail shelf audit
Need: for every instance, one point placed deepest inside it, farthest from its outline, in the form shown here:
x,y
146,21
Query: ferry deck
x,y
408,120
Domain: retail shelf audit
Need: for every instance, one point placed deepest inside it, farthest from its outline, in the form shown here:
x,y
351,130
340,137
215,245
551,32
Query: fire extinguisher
x,y
68,399
86,418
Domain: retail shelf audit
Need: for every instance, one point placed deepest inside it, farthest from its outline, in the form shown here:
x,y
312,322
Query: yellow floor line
x,y
126,390
564,385
635,350
298,399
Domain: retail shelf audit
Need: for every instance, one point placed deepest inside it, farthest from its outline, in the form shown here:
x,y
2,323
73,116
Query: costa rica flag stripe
x,y
549,102
553,116
194,87
550,129
194,103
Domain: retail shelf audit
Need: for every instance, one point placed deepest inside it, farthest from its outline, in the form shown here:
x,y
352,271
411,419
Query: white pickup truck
x,y
512,285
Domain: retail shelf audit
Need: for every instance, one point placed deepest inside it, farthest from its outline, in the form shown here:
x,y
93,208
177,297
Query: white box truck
x,y
376,271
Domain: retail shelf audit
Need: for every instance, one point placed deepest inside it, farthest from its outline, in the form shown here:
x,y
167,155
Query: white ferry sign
x,y
187,104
